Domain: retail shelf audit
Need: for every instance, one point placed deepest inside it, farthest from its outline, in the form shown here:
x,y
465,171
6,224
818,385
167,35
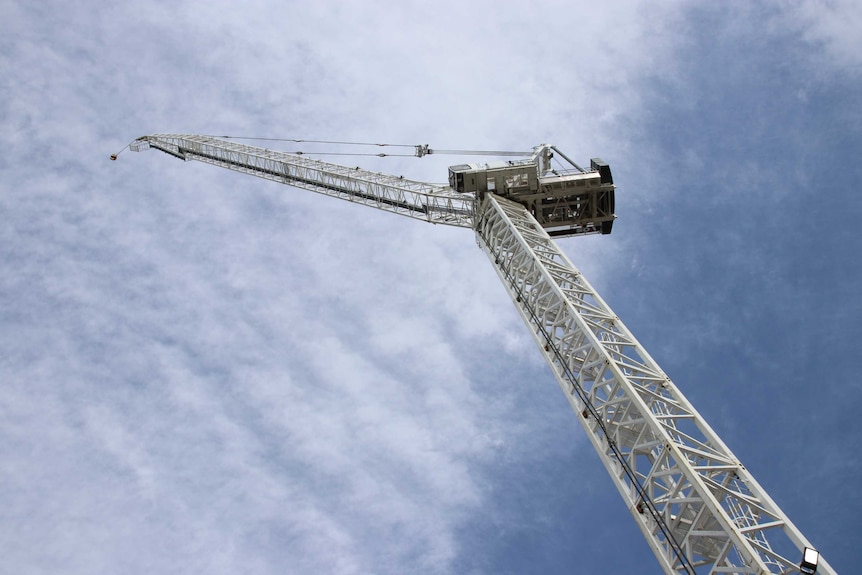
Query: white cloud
x,y
833,25
239,377
202,372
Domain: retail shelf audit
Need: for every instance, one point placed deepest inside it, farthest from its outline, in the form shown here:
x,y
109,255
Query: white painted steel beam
x,y
427,202
695,503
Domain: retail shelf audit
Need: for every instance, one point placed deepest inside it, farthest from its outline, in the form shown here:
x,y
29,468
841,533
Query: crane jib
x,y
426,202
285,176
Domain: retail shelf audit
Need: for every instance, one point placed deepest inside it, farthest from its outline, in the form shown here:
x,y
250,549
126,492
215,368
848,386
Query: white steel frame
x,y
698,507
696,504
436,204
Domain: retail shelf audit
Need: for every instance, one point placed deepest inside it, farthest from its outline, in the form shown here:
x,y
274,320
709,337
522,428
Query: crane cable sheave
x,y
568,201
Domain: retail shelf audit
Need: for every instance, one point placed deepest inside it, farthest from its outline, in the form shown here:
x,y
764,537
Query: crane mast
x,y
698,507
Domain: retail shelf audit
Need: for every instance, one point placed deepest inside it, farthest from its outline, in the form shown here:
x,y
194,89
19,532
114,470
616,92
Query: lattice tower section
x,y
698,507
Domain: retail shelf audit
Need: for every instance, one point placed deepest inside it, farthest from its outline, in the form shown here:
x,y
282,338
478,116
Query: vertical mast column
x,y
697,506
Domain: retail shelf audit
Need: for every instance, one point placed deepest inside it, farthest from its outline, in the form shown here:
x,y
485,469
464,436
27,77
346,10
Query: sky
x,y
201,371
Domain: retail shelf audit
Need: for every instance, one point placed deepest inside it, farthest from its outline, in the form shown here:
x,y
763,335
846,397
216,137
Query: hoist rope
x,y
114,156
301,153
315,141
419,150
426,149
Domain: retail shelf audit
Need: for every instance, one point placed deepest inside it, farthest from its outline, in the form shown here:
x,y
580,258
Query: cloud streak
x,y
202,372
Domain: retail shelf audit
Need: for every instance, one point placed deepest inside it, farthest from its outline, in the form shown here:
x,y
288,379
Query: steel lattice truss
x,y
697,506
435,204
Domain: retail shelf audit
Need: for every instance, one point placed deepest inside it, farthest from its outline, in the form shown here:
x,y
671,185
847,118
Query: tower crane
x,y
698,507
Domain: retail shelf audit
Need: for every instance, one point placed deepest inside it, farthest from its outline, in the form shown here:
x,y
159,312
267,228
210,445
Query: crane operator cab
x,y
565,202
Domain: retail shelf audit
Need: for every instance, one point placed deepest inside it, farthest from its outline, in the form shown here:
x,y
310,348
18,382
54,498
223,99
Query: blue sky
x,y
204,372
